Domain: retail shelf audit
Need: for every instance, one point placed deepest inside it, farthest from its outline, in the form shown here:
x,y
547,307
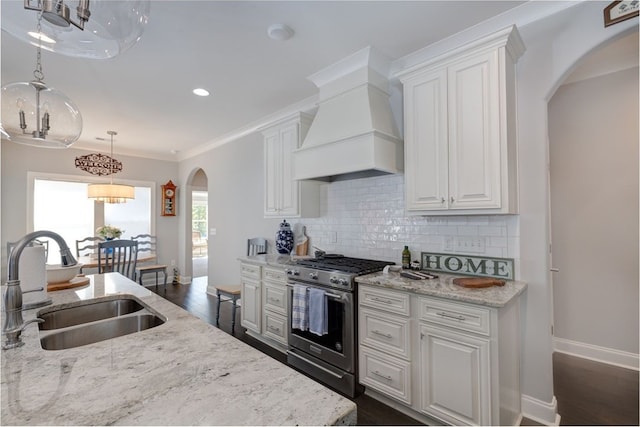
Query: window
x,y
199,213
61,205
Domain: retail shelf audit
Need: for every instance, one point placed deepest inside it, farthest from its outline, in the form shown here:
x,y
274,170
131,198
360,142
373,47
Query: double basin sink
x,y
91,321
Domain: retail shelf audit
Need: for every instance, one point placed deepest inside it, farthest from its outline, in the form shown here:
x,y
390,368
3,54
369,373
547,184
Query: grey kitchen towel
x,y
299,308
318,312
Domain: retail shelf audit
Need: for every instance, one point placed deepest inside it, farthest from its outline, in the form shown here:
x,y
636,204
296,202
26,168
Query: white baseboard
x,y
184,280
539,411
599,354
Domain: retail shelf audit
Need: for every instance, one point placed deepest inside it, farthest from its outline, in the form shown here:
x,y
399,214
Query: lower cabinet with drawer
x,y
264,304
440,360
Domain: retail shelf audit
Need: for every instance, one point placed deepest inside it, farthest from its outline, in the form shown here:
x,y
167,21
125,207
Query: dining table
x,y
91,261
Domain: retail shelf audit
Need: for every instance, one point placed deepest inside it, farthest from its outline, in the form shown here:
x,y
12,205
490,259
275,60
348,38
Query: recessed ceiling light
x,y
41,36
201,92
280,32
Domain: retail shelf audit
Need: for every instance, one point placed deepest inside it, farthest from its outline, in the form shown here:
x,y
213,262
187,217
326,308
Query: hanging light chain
x,y
37,73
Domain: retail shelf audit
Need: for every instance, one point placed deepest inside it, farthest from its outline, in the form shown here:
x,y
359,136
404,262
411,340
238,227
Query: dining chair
x,y
118,256
255,246
88,245
148,243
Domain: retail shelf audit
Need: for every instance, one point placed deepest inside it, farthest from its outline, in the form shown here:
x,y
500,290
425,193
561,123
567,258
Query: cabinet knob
x,y
442,200
452,199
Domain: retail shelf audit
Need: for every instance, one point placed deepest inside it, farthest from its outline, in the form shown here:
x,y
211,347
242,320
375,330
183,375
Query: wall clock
x,y
168,206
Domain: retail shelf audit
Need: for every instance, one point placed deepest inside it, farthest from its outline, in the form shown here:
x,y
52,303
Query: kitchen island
x,y
183,372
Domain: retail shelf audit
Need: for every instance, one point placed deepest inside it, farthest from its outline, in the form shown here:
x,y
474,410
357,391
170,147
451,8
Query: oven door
x,y
337,347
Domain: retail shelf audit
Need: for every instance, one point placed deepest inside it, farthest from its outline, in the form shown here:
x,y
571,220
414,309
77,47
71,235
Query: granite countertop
x,y
273,260
443,287
184,372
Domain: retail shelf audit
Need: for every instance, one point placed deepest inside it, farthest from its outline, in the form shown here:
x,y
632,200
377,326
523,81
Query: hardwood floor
x,y
592,393
588,393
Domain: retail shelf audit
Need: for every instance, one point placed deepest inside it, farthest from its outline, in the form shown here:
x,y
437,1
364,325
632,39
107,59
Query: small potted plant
x,y
109,232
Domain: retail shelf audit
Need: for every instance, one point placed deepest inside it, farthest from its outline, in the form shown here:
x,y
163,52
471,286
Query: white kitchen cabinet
x,y
265,311
454,376
284,196
440,359
250,313
460,140
385,342
274,305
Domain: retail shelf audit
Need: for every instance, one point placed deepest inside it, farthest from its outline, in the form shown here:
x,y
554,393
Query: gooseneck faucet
x,y
13,324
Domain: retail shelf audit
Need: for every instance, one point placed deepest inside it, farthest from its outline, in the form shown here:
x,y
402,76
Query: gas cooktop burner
x,y
344,264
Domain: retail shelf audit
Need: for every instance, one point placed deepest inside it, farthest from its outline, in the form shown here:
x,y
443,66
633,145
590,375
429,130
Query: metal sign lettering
x,y
98,164
468,265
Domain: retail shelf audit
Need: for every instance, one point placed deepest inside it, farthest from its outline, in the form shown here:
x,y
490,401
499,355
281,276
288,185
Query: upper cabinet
x,y
460,137
284,196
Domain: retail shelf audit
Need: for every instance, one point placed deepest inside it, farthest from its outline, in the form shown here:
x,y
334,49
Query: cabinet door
x,y
454,376
426,164
474,132
251,305
272,168
288,186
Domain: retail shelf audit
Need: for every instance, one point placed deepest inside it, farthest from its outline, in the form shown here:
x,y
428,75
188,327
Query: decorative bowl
x,y
57,273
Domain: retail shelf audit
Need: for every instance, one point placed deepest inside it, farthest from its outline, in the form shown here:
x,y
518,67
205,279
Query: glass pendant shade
x,y
112,26
110,193
34,114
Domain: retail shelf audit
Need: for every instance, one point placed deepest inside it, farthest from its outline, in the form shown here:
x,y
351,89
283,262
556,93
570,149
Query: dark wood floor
x,y
588,393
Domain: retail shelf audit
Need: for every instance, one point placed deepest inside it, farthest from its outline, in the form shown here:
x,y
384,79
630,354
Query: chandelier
x,y
34,114
96,29
111,193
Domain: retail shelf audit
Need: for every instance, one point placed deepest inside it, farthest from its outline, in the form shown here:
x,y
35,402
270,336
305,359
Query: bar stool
x,y
255,246
232,292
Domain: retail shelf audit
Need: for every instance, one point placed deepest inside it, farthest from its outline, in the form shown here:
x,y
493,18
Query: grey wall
x,y
235,173
18,159
593,140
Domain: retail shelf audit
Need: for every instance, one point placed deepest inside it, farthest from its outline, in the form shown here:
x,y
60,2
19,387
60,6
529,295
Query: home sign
x,y
468,265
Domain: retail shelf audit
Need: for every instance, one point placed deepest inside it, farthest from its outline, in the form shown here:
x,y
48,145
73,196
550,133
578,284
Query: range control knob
x,y
333,279
292,272
343,282
313,275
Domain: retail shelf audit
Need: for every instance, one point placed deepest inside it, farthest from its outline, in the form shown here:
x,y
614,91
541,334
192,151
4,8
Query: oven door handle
x,y
329,294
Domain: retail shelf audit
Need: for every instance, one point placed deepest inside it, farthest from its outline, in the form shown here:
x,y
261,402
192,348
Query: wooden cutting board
x,y
477,282
74,283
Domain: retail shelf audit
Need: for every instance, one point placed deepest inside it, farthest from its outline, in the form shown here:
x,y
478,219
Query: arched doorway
x,y
199,225
593,152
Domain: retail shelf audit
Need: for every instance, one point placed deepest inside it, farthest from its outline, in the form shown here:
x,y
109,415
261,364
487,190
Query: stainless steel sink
x,y
87,313
92,321
99,331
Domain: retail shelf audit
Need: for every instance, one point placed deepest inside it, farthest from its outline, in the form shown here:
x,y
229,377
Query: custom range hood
x,y
353,134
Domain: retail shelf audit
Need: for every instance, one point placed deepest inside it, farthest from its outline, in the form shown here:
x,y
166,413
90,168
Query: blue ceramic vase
x,y
284,238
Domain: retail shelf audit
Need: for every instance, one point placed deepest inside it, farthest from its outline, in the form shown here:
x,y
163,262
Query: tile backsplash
x,y
366,218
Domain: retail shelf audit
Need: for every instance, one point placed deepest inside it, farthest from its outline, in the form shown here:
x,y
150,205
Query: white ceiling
x,y
145,93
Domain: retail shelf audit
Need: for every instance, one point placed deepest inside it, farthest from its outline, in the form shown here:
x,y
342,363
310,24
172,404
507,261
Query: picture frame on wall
x,y
620,10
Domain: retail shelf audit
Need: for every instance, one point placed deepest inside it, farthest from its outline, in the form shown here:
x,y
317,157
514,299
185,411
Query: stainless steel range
x,y
331,357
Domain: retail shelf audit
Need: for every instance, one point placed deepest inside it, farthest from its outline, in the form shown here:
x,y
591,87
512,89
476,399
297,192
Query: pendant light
x,y
96,29
34,114
111,193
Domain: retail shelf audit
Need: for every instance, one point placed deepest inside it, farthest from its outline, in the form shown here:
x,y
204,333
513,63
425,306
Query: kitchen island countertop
x,y
443,286
184,372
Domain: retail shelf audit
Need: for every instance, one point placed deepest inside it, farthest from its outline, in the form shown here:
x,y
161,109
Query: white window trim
x,y
32,176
